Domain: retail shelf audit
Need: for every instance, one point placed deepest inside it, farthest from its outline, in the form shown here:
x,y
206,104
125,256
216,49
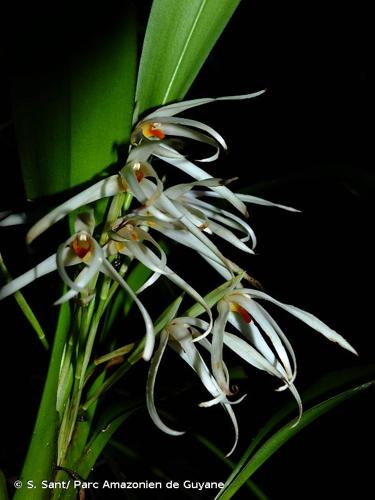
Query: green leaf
x,y
253,487
107,426
3,486
335,380
283,435
41,456
69,116
25,308
179,37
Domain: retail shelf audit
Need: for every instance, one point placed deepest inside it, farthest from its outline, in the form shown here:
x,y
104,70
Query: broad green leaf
x,y
283,435
41,456
75,106
179,37
335,380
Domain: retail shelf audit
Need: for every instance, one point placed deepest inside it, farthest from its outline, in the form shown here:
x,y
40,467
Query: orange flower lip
x,y
81,245
242,311
153,131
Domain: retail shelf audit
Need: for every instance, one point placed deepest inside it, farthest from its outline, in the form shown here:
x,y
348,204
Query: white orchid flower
x,y
162,122
178,334
128,238
240,309
149,138
82,248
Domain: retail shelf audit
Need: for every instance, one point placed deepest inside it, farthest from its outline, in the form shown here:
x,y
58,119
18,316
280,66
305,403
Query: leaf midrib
x,y
182,55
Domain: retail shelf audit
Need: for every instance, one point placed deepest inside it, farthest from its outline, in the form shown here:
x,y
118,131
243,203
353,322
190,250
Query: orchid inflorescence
x,y
187,214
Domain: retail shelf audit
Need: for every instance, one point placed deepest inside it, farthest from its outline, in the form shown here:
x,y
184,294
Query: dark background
x,y
305,143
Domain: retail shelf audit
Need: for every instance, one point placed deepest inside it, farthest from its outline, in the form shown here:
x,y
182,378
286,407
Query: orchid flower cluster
x,y
187,214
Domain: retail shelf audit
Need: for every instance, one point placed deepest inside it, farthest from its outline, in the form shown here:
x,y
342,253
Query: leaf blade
x,y
179,37
285,434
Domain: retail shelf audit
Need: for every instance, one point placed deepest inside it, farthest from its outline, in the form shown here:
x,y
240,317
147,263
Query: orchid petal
x,y
194,360
179,107
251,355
217,345
283,337
152,279
253,308
175,192
10,219
195,295
199,174
307,318
222,215
102,189
181,128
85,221
150,387
150,336
255,200
228,236
253,335
47,266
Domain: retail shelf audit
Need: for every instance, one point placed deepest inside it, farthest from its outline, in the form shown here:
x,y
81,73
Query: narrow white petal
x,y
227,407
45,267
251,355
284,338
146,256
186,219
180,127
150,386
222,215
212,402
219,268
253,335
13,219
191,356
261,201
253,308
150,336
175,192
199,174
85,221
228,236
81,282
179,107
297,397
133,185
181,283
155,276
217,346
307,318
102,189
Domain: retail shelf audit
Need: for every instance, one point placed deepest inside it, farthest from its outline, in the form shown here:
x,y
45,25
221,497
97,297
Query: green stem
x,y
41,456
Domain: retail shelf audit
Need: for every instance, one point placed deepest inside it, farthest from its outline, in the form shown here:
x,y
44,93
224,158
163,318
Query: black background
x,y
305,143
